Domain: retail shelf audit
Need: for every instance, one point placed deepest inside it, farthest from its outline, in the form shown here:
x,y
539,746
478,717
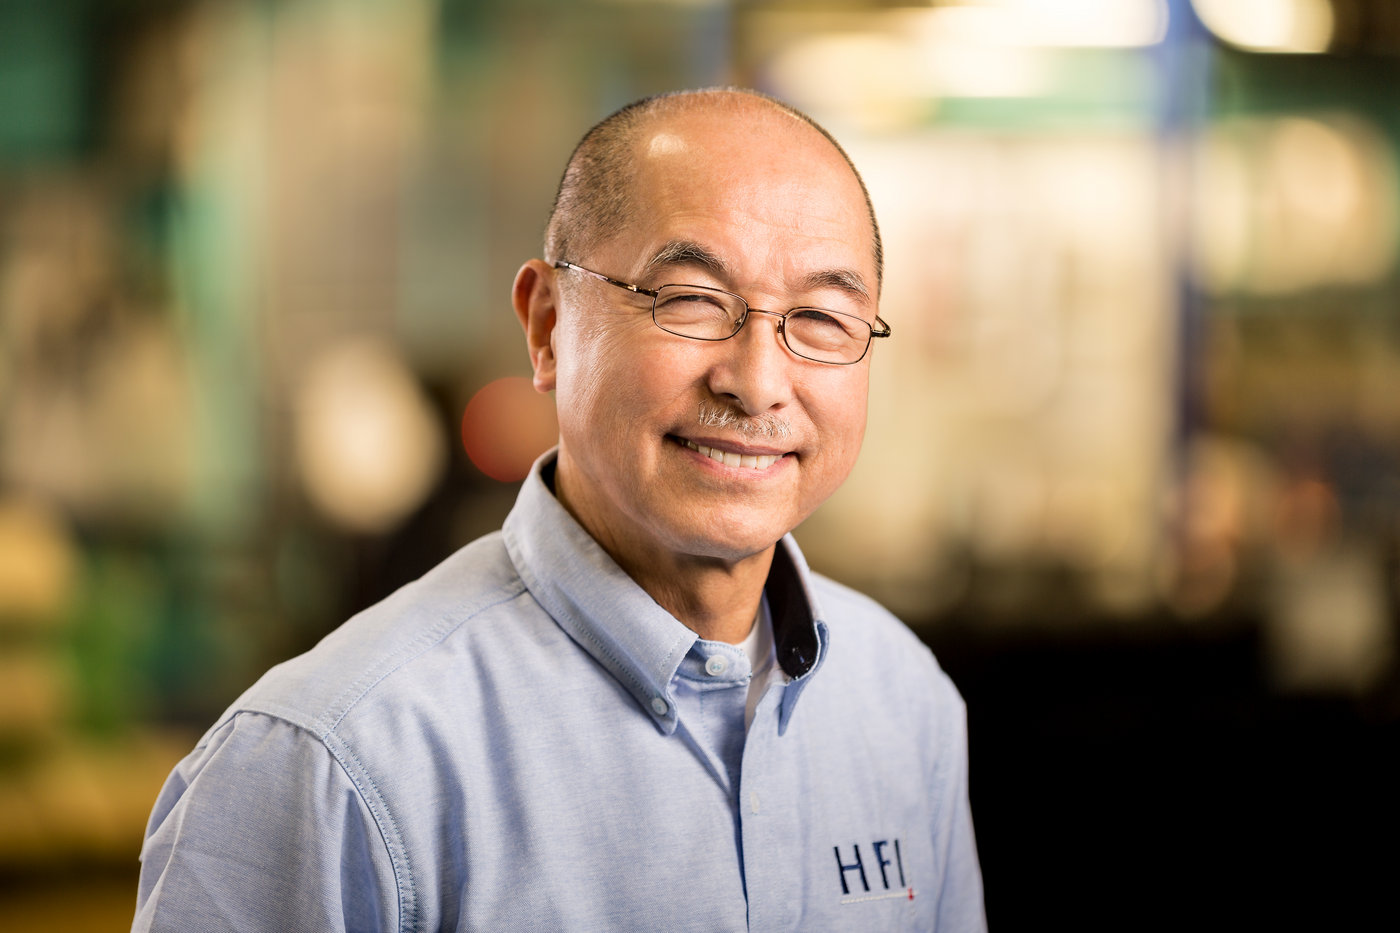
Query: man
x,y
633,708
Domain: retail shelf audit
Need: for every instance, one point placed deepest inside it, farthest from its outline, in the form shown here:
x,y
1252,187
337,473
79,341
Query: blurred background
x,y
1133,466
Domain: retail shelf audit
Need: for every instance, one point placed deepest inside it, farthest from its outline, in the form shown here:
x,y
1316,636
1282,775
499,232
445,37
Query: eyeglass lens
x,y
710,314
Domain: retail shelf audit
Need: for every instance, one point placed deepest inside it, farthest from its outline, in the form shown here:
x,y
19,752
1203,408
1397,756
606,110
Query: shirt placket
x,y
711,687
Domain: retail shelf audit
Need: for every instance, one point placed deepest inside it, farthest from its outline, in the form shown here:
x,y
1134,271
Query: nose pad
x,y
782,320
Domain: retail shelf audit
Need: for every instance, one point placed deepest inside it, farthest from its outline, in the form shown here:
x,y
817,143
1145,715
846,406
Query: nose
x,y
754,366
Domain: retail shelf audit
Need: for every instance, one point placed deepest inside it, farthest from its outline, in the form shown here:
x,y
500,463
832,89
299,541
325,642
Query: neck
x,y
717,599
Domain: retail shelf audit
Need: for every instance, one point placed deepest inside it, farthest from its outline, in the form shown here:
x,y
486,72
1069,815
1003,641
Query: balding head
x,y
596,195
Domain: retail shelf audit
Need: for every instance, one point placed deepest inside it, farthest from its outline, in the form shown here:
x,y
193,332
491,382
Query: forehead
x,y
747,180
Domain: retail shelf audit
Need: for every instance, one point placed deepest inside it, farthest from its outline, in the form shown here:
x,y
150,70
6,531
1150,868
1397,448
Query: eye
x,y
816,320
688,293
696,307
824,333
687,298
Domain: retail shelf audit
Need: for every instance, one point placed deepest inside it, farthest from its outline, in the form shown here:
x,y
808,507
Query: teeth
x,y
733,460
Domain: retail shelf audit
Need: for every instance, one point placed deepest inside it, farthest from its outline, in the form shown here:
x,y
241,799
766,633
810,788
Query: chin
x,y
732,546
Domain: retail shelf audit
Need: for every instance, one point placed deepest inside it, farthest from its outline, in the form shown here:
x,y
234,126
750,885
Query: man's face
x,y
782,222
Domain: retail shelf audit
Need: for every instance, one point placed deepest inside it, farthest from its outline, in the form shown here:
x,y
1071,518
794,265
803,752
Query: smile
x,y
731,459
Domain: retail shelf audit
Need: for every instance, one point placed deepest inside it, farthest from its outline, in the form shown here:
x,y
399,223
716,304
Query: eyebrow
x,y
689,253
842,279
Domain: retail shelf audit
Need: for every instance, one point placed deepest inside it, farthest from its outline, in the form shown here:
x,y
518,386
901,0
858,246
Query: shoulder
x,y
866,640
857,618
293,839
317,690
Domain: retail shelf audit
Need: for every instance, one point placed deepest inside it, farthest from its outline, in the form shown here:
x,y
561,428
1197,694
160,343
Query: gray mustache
x,y
765,425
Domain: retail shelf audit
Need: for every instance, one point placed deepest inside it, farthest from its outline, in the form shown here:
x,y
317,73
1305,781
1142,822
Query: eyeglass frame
x,y
782,316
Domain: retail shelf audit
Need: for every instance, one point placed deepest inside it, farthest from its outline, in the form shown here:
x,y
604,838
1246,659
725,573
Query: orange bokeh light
x,y
506,426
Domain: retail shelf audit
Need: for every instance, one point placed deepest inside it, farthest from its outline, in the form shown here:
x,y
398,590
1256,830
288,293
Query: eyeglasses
x,y
702,313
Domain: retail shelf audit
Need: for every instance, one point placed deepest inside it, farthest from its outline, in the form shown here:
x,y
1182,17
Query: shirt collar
x,y
624,629
799,634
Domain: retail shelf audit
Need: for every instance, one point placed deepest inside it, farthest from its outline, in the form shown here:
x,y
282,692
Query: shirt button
x,y
716,665
658,706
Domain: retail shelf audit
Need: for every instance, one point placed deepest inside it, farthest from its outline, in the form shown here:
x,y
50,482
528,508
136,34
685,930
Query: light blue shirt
x,y
524,740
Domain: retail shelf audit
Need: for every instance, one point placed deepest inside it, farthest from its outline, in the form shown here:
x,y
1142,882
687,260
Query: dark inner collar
x,y
794,633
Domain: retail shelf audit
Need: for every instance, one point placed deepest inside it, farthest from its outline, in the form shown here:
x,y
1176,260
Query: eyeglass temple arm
x,y
564,264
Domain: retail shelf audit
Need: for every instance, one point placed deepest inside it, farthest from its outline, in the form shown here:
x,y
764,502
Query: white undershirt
x,y
763,657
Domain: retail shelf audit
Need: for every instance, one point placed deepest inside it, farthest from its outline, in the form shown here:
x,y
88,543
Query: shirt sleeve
x,y
960,903
261,829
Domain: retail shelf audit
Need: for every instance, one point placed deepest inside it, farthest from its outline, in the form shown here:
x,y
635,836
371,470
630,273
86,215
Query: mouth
x,y
733,455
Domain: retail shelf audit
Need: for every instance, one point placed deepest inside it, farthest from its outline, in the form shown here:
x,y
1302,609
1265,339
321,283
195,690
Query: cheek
x,y
643,373
840,411
585,356
608,379
672,367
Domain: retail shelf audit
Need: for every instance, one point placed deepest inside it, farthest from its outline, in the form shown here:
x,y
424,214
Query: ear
x,y
535,298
